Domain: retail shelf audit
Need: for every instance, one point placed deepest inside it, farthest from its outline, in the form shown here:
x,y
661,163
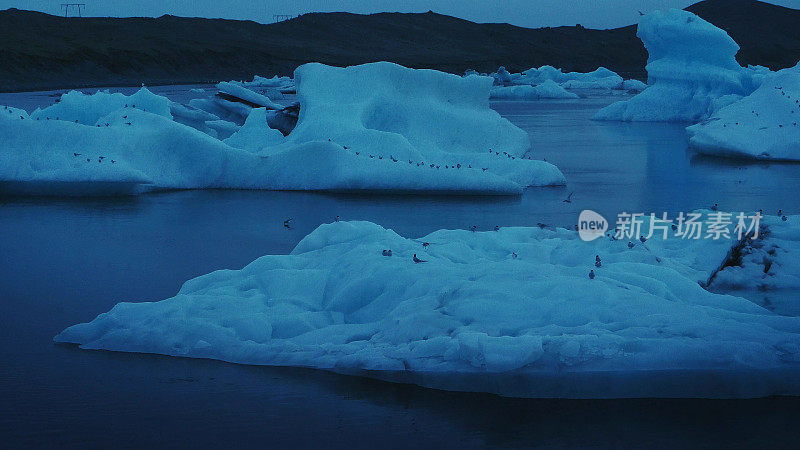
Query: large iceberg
x,y
417,118
691,68
512,311
377,127
763,125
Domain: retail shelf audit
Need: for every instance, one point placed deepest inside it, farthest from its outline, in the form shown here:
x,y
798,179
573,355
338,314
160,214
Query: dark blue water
x,y
64,261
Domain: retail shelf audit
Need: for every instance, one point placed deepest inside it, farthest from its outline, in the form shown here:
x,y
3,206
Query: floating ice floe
x,y
691,68
284,85
513,312
602,79
546,89
377,127
763,125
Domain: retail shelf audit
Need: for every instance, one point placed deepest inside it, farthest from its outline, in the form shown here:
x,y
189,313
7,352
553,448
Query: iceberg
x,y
763,125
255,134
378,127
418,118
75,106
512,312
547,89
601,78
691,65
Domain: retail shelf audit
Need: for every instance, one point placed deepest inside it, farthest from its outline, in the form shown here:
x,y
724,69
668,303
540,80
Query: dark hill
x,y
41,51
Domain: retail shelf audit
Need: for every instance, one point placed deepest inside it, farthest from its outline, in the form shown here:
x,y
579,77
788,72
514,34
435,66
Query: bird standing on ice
x,y
417,260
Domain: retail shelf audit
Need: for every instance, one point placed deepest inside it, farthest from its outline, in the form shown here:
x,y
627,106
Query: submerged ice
x,y
510,311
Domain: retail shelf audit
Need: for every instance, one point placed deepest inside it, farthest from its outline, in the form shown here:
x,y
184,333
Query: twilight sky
x,y
529,13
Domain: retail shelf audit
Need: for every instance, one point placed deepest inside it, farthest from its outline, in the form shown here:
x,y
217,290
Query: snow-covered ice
x,y
766,269
690,67
763,125
510,311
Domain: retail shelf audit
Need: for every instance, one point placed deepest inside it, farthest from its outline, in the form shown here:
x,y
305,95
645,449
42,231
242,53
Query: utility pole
x,y
75,6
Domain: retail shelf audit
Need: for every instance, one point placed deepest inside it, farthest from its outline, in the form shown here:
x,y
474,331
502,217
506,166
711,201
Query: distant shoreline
x,y
43,52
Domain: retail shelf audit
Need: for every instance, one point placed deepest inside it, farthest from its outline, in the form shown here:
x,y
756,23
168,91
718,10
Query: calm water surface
x,y
64,261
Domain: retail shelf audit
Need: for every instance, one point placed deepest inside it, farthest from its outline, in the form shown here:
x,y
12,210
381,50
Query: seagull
x,y
783,218
389,252
425,244
591,274
384,253
76,154
630,244
417,260
496,228
714,208
514,255
484,169
473,228
337,218
287,223
643,239
569,198
598,263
